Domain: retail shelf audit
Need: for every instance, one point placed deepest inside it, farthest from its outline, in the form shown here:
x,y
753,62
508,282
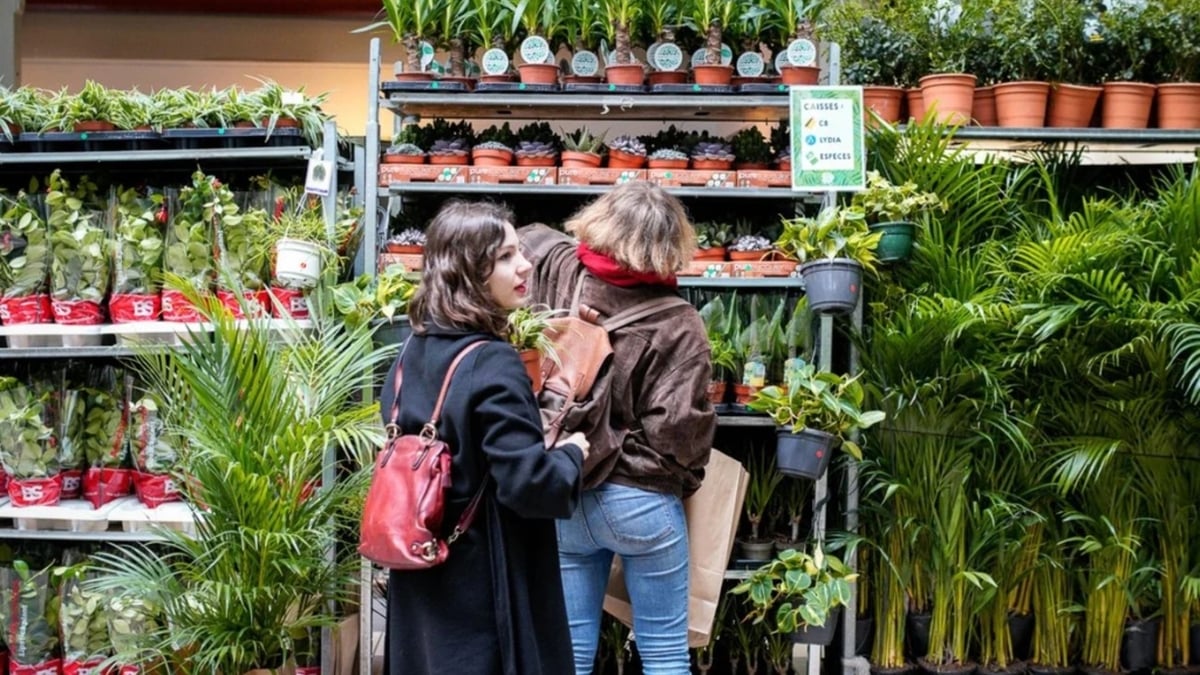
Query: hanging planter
x,y
819,635
897,241
297,262
832,285
805,454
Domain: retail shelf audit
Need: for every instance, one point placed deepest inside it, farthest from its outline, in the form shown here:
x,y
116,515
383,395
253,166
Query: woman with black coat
x,y
477,613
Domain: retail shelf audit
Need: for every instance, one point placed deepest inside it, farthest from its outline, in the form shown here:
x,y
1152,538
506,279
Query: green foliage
x,y
28,451
797,589
875,49
749,145
582,140
139,246
79,268
25,267
191,235
496,134
885,202
23,108
369,297
527,328
836,232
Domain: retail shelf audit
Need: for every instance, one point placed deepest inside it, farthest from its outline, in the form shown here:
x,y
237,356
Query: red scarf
x,y
607,269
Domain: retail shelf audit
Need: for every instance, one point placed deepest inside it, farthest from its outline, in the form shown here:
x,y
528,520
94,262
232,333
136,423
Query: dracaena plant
x,y
78,240
25,266
709,18
662,18
133,110
622,16
453,18
139,246
537,17
836,232
491,25
94,102
584,23
797,589
410,22
791,19
180,108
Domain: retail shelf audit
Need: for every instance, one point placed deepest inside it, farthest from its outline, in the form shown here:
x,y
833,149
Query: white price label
x,y
292,98
668,57
319,177
535,49
495,62
802,52
750,64
427,52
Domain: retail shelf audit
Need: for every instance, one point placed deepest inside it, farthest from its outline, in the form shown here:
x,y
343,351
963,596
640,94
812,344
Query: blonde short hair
x,y
640,225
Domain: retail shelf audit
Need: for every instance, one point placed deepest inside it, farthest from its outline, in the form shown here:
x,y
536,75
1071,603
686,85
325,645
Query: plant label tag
x,y
781,61
650,51
698,58
426,55
668,57
535,49
726,54
319,177
750,64
437,67
802,52
292,98
495,62
585,63
755,374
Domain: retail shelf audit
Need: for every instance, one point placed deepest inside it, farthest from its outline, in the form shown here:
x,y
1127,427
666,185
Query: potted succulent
x,y
450,142
25,266
408,147
711,152
581,149
800,594
890,209
834,248
626,152
750,247
408,241
818,412
711,238
494,146
527,334
708,18
79,243
537,145
138,256
751,150
621,68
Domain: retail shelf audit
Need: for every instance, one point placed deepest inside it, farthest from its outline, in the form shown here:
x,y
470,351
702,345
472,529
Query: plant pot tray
x,y
25,335
705,268
700,177
431,85
604,88
691,89
135,516
422,173
516,87
412,262
763,88
237,137
764,179
90,141
599,176
69,515
751,269
523,175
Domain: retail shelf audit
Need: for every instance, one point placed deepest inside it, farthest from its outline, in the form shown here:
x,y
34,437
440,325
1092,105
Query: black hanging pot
x,y
805,454
832,284
819,635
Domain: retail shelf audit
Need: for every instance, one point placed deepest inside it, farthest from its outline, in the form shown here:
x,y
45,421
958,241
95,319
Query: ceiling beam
x,y
343,8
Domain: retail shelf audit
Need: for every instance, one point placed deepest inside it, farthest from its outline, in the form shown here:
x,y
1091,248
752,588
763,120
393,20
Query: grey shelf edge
x,y
274,154
745,421
63,535
590,105
737,282
101,352
400,189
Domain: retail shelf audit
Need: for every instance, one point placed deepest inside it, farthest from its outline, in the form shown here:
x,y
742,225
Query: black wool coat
x,y
495,607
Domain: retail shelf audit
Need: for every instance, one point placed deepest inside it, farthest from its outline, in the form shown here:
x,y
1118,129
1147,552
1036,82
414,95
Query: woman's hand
x,y
576,439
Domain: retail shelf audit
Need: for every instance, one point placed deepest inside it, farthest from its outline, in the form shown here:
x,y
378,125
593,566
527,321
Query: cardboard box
x,y
422,173
523,175
599,176
692,177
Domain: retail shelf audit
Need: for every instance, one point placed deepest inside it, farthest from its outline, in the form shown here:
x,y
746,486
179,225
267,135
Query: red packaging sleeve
x,y
72,483
155,489
27,309
126,307
289,303
35,491
175,307
71,667
101,486
77,312
51,667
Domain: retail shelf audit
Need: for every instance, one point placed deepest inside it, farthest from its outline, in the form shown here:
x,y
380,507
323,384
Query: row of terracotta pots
x,y
570,159
631,74
1123,105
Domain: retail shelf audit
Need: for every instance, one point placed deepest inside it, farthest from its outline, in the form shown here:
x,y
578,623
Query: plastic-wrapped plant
x,y
750,146
83,619
190,236
131,627
630,145
31,614
24,268
27,451
78,241
104,443
537,139
711,148
239,242
582,140
138,254
149,444
497,138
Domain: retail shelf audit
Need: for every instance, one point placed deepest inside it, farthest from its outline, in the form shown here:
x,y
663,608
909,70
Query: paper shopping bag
x,y
712,513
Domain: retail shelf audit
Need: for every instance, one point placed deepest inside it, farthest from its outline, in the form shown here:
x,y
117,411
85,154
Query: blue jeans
x,y
648,531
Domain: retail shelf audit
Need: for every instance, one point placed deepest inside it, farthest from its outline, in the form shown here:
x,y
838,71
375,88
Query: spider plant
x,y
623,16
260,416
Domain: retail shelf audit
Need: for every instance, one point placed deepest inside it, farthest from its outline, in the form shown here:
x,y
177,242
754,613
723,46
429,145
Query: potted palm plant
x,y
621,68
662,18
582,27
799,593
708,18
411,23
818,412
453,17
543,24
834,248
491,27
890,209
791,22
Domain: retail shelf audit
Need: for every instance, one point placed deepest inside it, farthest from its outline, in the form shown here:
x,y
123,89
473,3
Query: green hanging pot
x,y
897,241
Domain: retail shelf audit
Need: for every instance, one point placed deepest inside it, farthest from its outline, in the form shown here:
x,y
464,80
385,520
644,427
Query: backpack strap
x,y
642,310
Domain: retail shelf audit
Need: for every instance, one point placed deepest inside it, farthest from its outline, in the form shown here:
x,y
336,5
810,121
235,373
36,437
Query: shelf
x,y
1099,147
273,154
741,282
101,352
544,190
62,535
578,106
745,421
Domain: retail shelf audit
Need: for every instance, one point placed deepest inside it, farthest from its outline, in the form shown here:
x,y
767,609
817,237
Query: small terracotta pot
x,y
414,77
405,249
536,161
712,75
491,157
668,77
282,123
716,391
783,165
742,393
618,159
94,125
1072,105
624,73
750,166
403,159
711,164
539,73
580,160
667,163
452,160
748,256
800,75
532,360
506,77
1179,105
710,253
582,79
468,82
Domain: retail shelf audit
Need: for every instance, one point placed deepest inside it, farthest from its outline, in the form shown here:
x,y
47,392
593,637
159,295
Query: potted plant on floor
x,y
537,145
582,150
451,142
834,248
621,68
527,334
890,209
494,146
817,413
764,480
799,593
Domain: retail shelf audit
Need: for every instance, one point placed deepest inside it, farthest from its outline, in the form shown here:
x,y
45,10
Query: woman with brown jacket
x,y
652,452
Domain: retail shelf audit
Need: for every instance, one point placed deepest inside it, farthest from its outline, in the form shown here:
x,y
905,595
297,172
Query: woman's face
x,y
510,272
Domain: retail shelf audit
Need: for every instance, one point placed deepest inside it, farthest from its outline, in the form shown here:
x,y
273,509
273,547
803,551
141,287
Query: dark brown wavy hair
x,y
460,252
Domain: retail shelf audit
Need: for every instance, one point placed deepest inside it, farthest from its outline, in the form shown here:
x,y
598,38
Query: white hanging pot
x,y
297,263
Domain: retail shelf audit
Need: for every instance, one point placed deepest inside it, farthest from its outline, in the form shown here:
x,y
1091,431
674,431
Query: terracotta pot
x,y
916,103
506,77
13,129
1179,105
414,77
784,165
94,125
1126,105
403,159
1072,105
532,360
800,74
750,166
668,77
282,123
711,165
983,108
452,160
1022,104
491,157
885,101
580,160
618,159
716,391
407,249
712,75
582,79
748,256
624,73
667,163
536,161
710,253
743,393
949,96
468,82
539,73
